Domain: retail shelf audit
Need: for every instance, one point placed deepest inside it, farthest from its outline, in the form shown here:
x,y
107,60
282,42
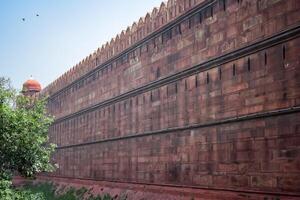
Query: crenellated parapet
x,y
160,16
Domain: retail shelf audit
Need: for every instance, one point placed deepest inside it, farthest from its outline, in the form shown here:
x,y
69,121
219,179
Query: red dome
x,y
32,86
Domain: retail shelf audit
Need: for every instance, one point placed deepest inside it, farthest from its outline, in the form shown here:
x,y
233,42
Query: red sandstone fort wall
x,y
211,101
244,86
224,31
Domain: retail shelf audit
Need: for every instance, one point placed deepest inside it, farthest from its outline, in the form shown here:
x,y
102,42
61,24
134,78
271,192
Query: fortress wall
x,y
193,137
214,106
241,24
258,155
262,81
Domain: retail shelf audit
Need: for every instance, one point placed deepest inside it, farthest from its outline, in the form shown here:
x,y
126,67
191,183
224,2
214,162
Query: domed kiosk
x,y
31,87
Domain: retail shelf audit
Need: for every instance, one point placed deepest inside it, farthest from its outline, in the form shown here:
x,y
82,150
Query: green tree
x,y
24,123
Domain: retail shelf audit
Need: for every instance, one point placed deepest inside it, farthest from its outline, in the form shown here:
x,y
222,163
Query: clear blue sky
x,y
65,32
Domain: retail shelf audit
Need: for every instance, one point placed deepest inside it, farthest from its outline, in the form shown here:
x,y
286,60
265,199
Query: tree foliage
x,y
24,123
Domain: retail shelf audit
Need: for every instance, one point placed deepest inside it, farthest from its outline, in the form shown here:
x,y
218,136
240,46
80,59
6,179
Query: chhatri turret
x,y
31,87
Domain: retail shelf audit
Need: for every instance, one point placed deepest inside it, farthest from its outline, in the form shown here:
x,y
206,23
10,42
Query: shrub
x,y
8,193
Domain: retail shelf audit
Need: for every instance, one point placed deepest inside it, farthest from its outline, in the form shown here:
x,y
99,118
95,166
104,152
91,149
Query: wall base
x,y
156,192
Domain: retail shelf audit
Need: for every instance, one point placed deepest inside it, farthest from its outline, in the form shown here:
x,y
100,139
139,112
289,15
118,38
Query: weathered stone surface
x,y
150,136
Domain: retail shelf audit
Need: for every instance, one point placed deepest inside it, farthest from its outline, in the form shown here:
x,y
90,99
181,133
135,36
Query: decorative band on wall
x,y
271,41
199,125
